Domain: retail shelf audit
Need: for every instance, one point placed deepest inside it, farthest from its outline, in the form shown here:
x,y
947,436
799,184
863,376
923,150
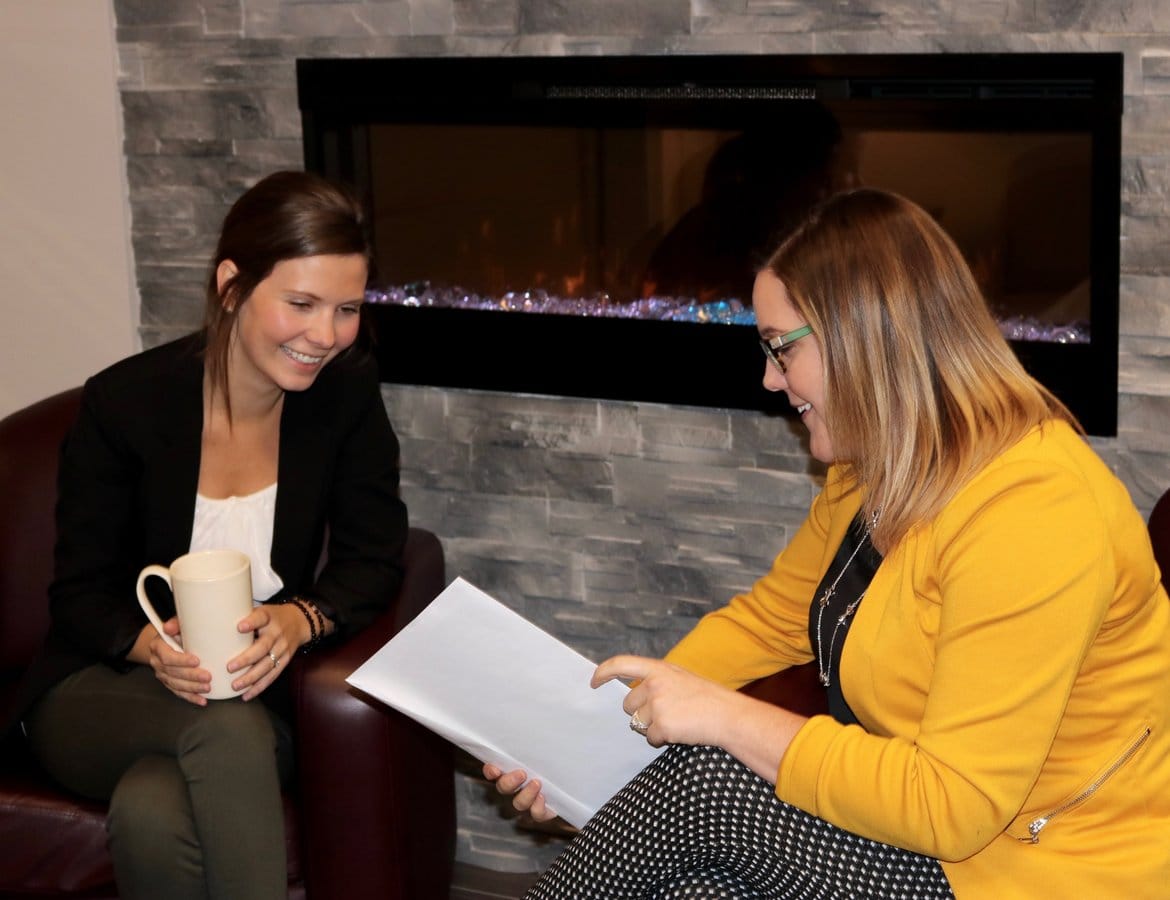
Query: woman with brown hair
x,y
263,432
980,597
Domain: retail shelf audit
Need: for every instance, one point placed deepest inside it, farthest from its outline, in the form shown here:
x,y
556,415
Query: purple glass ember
x,y
662,309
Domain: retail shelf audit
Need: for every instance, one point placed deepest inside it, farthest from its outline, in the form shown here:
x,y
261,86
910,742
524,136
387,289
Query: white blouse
x,y
244,524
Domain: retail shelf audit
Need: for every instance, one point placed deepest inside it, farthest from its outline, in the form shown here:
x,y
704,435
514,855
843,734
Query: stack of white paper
x,y
510,694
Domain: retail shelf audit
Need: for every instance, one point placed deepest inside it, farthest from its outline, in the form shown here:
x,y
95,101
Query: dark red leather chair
x,y
372,811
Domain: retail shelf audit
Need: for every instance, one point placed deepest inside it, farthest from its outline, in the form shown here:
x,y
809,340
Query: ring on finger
x,y
275,660
636,724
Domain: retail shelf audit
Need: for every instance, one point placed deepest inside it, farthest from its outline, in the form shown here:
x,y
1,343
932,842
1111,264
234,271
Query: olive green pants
x,y
194,792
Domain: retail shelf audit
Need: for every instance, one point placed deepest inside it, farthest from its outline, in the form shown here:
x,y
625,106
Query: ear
x,y
224,273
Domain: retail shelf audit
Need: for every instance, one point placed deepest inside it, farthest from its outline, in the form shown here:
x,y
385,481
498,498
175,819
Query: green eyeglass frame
x,y
773,346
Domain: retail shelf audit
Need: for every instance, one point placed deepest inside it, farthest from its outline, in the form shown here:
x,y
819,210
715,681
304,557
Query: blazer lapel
x,y
179,423
304,454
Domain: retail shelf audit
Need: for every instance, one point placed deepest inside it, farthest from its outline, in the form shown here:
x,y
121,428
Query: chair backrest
x,y
1159,527
30,442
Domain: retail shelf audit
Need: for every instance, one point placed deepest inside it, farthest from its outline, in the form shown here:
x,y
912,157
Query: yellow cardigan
x,y
1010,664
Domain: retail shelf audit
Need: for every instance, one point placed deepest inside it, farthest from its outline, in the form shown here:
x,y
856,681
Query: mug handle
x,y
165,574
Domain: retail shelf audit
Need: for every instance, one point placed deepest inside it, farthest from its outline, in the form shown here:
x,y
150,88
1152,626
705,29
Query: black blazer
x,y
126,498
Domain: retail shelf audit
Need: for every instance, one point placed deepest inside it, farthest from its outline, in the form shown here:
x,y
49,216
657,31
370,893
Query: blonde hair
x,y
921,389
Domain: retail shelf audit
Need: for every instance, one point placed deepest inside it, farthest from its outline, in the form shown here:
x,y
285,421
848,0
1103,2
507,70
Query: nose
x,y
774,379
321,331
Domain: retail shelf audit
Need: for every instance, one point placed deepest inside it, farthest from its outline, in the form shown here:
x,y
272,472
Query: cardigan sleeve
x,y
1023,568
765,630
367,520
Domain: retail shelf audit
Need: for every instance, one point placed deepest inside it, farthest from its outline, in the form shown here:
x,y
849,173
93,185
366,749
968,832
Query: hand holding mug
x,y
179,672
279,630
213,594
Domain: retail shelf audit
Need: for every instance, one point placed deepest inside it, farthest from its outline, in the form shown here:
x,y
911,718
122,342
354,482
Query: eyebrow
x,y
309,295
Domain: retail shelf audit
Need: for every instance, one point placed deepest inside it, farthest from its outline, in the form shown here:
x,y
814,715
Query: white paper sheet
x,y
510,694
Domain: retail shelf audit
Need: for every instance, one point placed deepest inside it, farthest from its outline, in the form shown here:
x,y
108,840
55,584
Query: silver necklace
x,y
825,663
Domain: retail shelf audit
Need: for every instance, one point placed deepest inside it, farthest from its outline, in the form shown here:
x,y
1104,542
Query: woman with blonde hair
x,y
980,597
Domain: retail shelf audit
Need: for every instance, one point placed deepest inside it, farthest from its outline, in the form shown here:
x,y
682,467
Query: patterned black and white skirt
x,y
697,823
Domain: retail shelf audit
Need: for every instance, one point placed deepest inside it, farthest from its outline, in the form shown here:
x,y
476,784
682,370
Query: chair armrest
x,y
376,790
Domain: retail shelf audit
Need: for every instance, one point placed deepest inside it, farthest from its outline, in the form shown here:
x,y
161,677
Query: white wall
x,y
68,298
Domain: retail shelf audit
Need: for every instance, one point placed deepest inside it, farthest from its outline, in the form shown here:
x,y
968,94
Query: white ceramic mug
x,y
213,592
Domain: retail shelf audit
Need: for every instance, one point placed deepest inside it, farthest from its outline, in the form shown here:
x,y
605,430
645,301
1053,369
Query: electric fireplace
x,y
591,226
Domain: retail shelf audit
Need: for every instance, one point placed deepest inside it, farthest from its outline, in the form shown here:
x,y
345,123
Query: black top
x,y
828,640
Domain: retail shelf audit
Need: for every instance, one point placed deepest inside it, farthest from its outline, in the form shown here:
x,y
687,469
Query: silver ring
x,y
275,660
636,724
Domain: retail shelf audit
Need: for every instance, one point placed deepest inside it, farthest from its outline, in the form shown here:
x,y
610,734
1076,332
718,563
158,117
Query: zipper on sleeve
x,y
1038,824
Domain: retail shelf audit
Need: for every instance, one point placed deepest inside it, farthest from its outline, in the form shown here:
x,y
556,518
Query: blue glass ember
x,y
730,311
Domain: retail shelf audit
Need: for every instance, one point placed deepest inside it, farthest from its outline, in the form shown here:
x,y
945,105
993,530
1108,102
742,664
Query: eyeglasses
x,y
774,346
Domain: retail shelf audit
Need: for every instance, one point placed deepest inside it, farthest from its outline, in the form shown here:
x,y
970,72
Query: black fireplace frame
x,y
703,364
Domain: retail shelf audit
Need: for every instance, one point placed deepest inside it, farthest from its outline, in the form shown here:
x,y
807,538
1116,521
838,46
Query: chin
x,y
822,451
299,381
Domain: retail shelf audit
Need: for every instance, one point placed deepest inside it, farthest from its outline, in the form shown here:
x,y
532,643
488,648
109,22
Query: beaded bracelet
x,y
316,610
315,619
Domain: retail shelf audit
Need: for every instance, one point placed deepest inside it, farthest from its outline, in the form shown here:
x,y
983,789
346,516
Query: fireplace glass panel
x,y
593,221
591,226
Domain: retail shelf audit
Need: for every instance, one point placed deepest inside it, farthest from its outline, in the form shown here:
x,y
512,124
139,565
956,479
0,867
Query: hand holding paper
x,y
510,694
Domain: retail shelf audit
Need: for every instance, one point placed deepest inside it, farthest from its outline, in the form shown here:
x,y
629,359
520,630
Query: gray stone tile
x,y
432,16
1145,305
1104,16
703,42
1155,70
486,16
1142,422
604,521
519,521
197,114
1146,125
427,508
271,154
438,465
154,174
1144,245
420,410
134,13
1146,474
1144,374
597,17
530,472
178,245
170,306
199,146
130,67
342,19
483,417
156,34
223,17
1145,185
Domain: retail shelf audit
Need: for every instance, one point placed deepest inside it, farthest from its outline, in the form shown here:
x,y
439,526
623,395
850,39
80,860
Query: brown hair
x,y
287,215
921,389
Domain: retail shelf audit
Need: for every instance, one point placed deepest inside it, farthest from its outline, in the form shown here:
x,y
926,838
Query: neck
x,y
253,399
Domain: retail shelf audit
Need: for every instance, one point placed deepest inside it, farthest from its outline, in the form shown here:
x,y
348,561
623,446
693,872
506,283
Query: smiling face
x,y
804,379
296,320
